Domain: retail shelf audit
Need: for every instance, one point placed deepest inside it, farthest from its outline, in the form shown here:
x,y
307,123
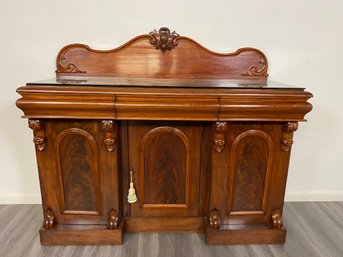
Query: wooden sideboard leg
x,y
49,219
113,218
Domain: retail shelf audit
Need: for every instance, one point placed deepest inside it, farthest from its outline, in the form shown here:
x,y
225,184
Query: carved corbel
x,y
49,219
214,219
112,222
163,39
277,219
110,137
38,134
287,139
219,136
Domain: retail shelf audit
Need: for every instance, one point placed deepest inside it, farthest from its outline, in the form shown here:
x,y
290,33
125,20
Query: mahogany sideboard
x,y
203,137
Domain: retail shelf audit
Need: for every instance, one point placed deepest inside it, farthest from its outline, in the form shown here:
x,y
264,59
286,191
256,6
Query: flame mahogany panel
x,y
250,162
77,155
165,158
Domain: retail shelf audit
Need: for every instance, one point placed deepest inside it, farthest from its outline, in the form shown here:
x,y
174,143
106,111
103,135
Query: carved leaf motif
x,y
163,39
34,125
292,127
107,125
221,126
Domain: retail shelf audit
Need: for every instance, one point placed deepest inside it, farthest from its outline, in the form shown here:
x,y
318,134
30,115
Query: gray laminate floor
x,y
314,229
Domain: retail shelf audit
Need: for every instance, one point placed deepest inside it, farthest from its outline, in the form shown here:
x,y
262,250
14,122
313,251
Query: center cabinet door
x,y
165,160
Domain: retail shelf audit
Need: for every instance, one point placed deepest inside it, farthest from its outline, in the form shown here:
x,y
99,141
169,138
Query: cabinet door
x,y
165,160
78,170
249,175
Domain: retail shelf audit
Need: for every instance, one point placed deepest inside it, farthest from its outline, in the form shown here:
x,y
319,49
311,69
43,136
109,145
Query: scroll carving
x,y
214,219
258,71
109,138
277,219
38,134
69,68
163,39
49,219
113,218
219,136
287,140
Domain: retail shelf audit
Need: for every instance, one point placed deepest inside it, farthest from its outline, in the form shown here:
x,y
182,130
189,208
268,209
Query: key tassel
x,y
131,197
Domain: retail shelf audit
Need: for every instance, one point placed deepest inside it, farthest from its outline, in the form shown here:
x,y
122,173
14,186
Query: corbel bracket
x,y
49,218
277,219
214,219
219,136
113,218
38,134
287,140
110,136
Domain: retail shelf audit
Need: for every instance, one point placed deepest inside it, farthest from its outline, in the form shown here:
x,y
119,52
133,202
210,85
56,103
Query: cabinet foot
x,y
245,234
81,235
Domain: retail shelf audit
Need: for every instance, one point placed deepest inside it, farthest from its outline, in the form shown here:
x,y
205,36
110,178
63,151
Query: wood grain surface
x,y
84,154
148,55
314,229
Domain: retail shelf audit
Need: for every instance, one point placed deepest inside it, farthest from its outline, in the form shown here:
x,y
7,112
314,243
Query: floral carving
x,y
163,39
109,138
287,140
219,136
38,134
277,219
112,222
49,219
291,127
214,219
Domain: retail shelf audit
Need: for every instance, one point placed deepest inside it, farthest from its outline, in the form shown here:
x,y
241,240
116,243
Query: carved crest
x,y
163,40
